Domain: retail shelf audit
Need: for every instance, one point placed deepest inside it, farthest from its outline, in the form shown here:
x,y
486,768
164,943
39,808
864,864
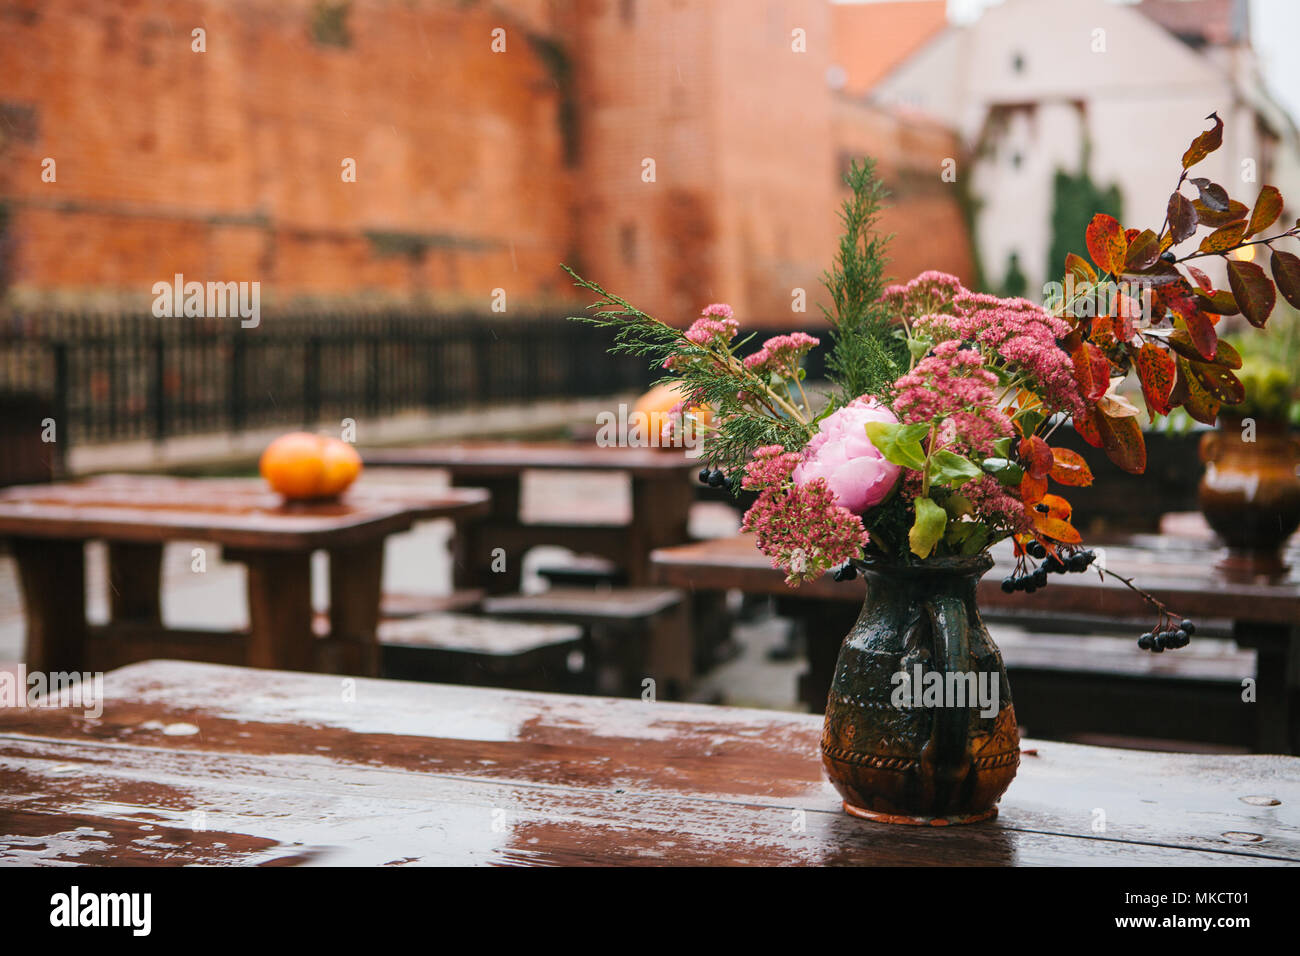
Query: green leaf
x,y
1005,471
949,468
1002,447
918,346
900,444
928,527
968,537
958,505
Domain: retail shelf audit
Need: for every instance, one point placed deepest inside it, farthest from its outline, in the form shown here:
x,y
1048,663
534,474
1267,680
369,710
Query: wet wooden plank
x,y
1181,577
151,509
504,458
298,767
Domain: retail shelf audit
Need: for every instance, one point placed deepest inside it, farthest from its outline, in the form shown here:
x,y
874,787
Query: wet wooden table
x,y
197,763
662,493
1178,570
49,525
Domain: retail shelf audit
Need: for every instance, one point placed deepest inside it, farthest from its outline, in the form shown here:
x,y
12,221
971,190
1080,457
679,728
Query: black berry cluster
x,y
1168,637
1030,581
845,572
713,477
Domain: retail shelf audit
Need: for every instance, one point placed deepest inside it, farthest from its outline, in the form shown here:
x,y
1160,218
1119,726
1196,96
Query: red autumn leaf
x,y
1205,143
1206,216
1182,217
1103,330
1086,426
1224,238
1069,468
1036,456
1032,489
1286,271
1253,291
1122,439
1078,266
1091,371
1201,331
1219,302
1106,243
1222,385
1194,397
1201,278
1156,371
1267,208
1212,194
1227,356
1143,251
1055,528
1057,507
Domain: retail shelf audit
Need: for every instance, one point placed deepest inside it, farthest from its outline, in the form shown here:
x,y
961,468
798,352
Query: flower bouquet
x,y
933,444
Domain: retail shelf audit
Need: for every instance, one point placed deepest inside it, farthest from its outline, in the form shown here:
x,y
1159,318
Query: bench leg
x,y
279,609
53,576
356,585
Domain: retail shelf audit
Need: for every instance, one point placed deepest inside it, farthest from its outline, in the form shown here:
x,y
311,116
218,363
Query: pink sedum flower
x,y
855,472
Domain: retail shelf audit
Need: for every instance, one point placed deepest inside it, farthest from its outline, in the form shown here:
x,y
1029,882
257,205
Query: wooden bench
x,y
631,634
1073,687
467,649
395,604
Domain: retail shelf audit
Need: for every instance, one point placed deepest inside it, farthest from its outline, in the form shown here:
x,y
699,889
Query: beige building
x,y
1039,86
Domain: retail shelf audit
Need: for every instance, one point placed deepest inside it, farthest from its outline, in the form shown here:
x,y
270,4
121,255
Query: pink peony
x,y
855,471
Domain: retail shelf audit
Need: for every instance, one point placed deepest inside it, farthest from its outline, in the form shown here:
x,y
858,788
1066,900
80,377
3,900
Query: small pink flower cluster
x,y
804,531
952,384
1020,334
782,354
714,325
771,467
930,292
995,505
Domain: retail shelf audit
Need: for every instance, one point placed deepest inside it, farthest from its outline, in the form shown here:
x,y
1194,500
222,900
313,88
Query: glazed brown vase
x,y
894,756
1250,494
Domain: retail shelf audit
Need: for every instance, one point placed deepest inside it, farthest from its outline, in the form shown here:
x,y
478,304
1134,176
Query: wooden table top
x,y
197,763
505,458
235,512
1179,572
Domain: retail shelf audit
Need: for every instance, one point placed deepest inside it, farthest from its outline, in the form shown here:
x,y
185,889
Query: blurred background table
x,y
1151,693
49,525
662,494
202,764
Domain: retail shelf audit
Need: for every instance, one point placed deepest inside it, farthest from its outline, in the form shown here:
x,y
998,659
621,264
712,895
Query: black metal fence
x,y
123,377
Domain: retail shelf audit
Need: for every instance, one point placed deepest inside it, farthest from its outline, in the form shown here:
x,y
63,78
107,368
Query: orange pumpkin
x,y
304,466
657,403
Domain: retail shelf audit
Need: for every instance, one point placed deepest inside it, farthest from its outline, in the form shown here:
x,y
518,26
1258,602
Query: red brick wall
x,y
226,164
488,168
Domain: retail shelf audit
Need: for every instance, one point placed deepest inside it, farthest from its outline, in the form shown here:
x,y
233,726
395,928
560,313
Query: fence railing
x,y
123,377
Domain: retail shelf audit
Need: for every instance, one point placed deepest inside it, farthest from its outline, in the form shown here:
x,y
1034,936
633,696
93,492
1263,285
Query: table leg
x,y
279,609
356,585
134,582
473,544
1277,647
824,625
661,511
53,576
